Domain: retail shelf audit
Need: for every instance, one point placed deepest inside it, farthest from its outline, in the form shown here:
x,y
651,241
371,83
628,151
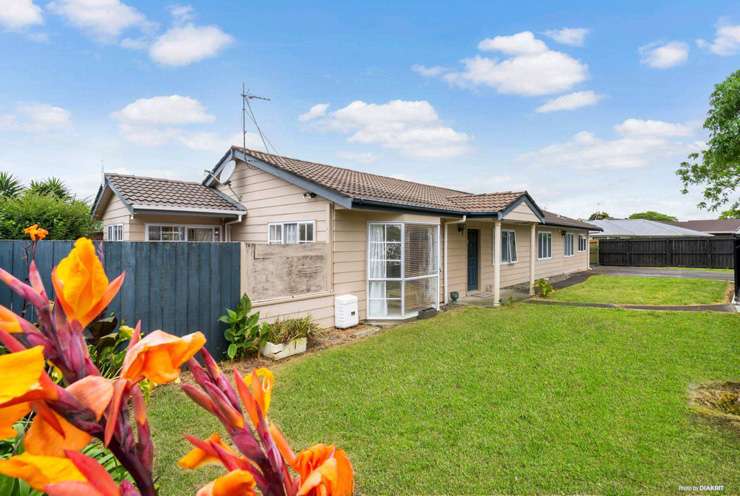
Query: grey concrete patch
x,y
662,272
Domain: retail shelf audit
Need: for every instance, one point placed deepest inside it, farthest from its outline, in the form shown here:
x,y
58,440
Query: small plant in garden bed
x,y
284,338
244,332
544,287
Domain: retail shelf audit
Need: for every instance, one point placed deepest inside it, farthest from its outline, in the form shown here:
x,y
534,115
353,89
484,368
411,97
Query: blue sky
x,y
587,105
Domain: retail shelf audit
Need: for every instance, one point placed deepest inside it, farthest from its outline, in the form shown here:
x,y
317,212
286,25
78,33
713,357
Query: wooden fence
x,y
714,253
177,287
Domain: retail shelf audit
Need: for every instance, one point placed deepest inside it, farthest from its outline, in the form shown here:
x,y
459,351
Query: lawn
x,y
523,399
638,290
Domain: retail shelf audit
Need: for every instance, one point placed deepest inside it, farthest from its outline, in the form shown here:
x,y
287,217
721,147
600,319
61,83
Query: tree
x,y
10,186
718,167
732,213
653,215
599,216
51,187
64,219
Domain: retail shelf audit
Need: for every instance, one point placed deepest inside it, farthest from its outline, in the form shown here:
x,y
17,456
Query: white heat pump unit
x,y
346,313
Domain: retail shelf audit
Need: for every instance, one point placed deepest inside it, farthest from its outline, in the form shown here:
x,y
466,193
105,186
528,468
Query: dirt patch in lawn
x,y
717,400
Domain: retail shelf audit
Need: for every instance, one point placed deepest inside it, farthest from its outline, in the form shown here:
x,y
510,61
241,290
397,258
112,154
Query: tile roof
x,y
717,226
628,228
554,219
153,193
372,187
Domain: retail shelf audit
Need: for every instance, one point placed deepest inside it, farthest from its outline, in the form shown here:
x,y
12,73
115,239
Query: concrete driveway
x,y
663,272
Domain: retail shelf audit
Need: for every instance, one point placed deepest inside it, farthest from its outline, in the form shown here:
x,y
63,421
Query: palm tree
x,y
10,186
50,187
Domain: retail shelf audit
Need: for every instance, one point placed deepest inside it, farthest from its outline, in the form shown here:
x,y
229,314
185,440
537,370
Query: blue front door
x,y
473,249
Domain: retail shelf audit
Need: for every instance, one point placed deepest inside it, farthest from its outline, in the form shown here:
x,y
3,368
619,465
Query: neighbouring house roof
x,y
152,194
713,226
554,219
641,228
355,188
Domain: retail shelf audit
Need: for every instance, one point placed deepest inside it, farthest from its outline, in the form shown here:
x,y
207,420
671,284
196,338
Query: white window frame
x,y
298,227
549,250
504,262
403,277
212,227
117,229
572,237
583,238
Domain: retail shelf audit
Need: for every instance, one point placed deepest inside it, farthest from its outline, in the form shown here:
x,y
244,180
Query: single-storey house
x,y
716,227
642,229
399,246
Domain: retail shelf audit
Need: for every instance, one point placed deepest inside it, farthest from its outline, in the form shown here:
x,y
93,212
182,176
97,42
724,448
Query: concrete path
x,y
662,272
673,308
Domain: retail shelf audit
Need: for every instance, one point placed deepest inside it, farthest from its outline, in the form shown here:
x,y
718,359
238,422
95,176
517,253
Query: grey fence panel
x,y
681,252
177,287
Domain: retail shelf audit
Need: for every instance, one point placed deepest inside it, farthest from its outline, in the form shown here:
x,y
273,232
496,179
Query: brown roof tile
x,y
718,226
554,219
372,187
140,191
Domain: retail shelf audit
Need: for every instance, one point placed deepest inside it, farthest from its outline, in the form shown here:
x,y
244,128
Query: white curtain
x,y
291,234
376,269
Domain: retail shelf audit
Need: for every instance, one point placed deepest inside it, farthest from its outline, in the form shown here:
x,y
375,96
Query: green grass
x,y
638,290
524,399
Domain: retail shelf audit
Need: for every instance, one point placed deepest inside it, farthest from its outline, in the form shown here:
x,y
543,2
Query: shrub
x,y
244,334
544,287
285,331
64,219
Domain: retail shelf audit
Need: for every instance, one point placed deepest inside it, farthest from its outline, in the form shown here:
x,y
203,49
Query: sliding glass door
x,y
403,269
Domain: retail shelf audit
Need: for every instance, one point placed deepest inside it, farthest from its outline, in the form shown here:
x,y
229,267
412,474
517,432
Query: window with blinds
x,y
403,269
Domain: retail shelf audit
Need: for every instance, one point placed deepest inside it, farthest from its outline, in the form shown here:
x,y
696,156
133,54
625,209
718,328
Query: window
x,y
582,242
569,244
403,269
290,233
168,232
508,247
114,232
544,245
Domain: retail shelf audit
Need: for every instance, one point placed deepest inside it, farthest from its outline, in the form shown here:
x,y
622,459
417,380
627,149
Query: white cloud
x,y
105,20
172,109
523,43
182,13
568,36
412,128
640,143
664,55
358,157
641,127
532,68
19,14
726,40
570,101
318,110
433,71
183,45
36,118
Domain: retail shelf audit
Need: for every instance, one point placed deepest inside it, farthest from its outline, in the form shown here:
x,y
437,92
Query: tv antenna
x,y
248,112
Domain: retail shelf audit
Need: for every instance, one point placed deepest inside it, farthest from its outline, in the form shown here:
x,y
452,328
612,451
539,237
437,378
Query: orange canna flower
x,y
159,356
43,439
80,284
22,377
197,457
259,383
235,483
9,320
9,416
35,232
38,471
324,471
